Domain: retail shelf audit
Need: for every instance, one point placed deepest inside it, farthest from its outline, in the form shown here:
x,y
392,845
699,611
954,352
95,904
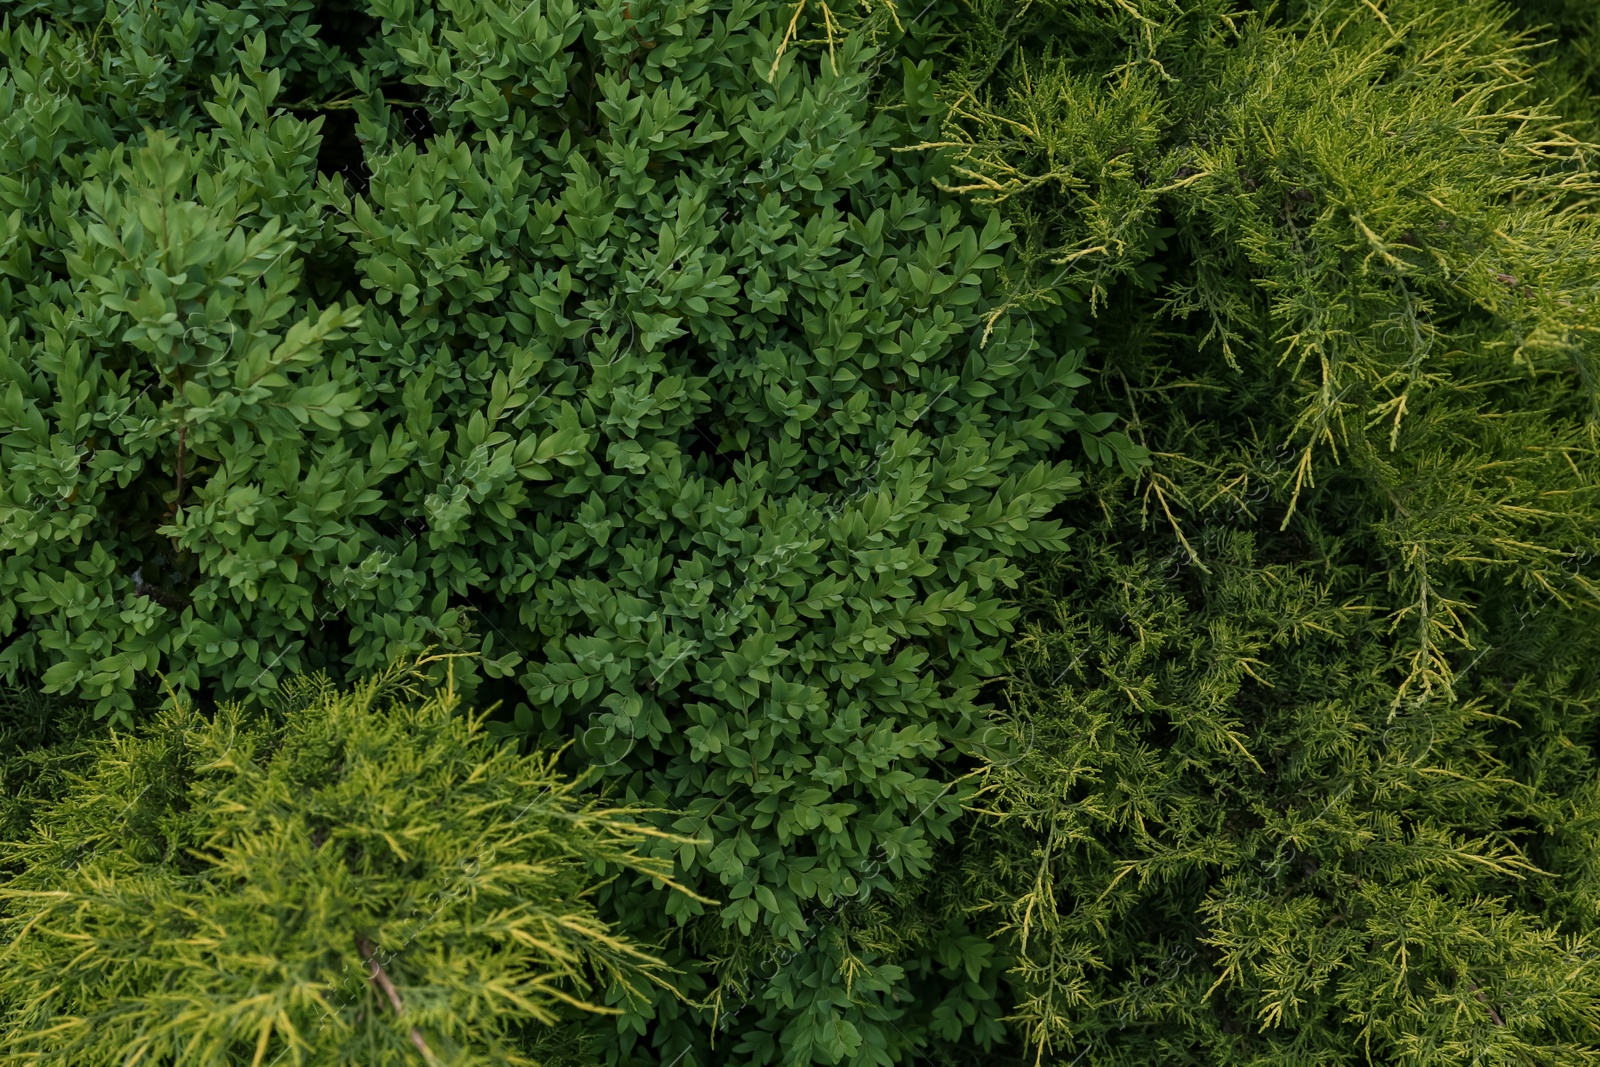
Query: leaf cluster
x,y
614,344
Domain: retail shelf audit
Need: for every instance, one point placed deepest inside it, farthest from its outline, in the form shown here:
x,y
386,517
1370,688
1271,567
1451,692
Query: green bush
x,y
1217,831
38,749
614,344
678,360
1299,760
353,877
1568,36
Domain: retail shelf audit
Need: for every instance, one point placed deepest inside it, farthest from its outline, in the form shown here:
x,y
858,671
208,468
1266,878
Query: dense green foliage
x,y
1568,36
37,748
711,371
1300,762
1219,833
349,877
621,353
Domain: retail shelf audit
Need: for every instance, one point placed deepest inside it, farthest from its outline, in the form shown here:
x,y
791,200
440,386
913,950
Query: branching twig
x,y
1485,1002
177,501
376,975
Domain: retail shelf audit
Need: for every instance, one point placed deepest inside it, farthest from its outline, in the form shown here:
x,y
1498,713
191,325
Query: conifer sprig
x,y
357,877
1364,204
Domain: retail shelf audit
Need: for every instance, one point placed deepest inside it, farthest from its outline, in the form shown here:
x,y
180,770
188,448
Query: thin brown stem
x,y
1485,1002
177,501
377,976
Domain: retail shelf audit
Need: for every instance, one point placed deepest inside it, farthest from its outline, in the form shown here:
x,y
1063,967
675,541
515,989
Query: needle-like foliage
x,y
1298,763
680,358
1364,204
1210,834
355,877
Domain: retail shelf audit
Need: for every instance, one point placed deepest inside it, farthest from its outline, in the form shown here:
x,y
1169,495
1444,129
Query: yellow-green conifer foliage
x,y
1298,764
1568,32
360,877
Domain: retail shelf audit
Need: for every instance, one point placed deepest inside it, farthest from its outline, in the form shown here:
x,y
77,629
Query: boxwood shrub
x,y
615,344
